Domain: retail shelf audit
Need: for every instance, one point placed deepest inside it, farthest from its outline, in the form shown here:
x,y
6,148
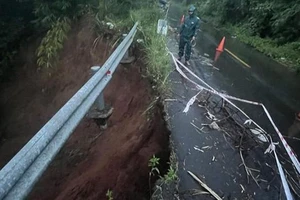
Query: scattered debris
x,y
259,134
197,128
110,25
196,148
205,186
206,147
249,170
195,192
191,102
170,100
152,104
243,189
214,125
248,121
204,60
213,158
211,116
140,41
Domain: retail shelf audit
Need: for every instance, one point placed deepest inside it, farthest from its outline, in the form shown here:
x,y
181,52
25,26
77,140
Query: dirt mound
x,y
93,160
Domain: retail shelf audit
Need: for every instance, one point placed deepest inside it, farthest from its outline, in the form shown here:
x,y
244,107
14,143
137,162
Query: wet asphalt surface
x,y
207,154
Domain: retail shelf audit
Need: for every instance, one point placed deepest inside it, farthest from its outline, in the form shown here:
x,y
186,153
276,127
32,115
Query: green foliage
x,y
15,25
287,54
276,19
49,12
52,43
154,45
171,175
157,58
158,62
55,17
119,9
109,195
153,164
272,24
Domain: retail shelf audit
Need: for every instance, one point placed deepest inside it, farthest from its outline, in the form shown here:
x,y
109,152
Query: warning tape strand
x,y
226,97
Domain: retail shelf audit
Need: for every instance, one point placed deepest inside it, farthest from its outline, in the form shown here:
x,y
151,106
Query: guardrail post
x,y
127,59
99,111
100,103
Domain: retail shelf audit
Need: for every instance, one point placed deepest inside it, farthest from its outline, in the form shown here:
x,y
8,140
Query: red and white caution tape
x,y
286,188
226,98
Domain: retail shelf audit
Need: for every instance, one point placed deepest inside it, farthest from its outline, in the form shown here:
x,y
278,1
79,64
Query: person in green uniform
x,y
187,34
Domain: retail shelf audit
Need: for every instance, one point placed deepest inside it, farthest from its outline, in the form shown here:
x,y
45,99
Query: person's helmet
x,y
192,8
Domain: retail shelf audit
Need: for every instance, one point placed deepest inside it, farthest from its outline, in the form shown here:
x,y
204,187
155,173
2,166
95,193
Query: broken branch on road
x,y
213,193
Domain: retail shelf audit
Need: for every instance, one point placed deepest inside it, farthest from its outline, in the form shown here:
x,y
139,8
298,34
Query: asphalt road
x,y
208,154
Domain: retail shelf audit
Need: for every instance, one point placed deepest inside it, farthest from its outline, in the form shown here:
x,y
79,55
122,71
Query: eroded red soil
x,y
92,161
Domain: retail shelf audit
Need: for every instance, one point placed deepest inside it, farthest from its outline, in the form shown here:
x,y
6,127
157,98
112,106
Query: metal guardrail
x,y
19,175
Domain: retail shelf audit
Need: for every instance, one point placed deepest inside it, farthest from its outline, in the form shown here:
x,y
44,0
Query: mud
x,y
92,161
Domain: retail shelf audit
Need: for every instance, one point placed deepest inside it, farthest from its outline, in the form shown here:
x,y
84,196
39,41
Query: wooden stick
x,y
205,186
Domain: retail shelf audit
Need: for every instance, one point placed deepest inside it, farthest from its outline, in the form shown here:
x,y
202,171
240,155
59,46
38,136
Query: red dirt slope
x,y
92,161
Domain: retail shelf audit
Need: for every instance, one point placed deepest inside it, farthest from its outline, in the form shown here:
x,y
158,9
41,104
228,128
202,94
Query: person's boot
x,y
179,58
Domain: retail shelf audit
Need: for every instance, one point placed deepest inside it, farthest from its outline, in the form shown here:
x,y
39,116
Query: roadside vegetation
x,y
271,26
157,58
52,20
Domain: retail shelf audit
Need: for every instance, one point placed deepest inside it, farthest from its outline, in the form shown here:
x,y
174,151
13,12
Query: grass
x,y
287,54
109,195
153,164
168,184
154,46
157,58
171,175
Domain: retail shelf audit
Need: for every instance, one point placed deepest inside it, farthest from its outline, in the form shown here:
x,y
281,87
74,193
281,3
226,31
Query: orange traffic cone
x,y
220,49
218,53
182,20
221,45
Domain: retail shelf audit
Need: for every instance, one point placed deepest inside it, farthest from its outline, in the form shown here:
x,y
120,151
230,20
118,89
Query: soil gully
x,y
117,158
92,161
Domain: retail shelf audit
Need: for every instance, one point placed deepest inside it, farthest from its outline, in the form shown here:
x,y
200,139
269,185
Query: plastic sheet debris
x,y
259,135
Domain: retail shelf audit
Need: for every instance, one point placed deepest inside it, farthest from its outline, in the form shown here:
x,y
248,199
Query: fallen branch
x,y
197,192
249,170
205,186
196,127
152,104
